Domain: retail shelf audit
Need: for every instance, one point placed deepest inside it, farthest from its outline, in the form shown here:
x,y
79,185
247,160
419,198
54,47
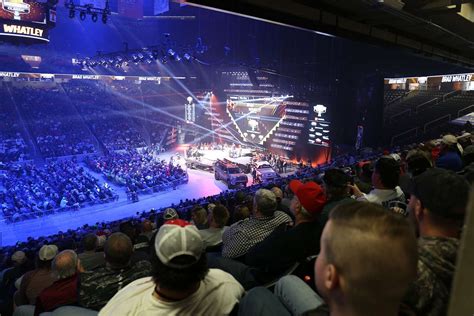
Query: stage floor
x,y
201,184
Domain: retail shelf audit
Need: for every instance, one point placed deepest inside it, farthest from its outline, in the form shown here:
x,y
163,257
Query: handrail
x,y
425,103
403,133
470,106
395,115
447,94
438,119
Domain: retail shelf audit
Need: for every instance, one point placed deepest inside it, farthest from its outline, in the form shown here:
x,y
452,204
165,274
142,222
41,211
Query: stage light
x,y
104,18
177,58
171,52
94,17
72,13
82,15
190,99
187,57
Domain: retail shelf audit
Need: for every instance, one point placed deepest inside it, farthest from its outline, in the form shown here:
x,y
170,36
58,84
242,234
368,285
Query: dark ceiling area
x,y
438,29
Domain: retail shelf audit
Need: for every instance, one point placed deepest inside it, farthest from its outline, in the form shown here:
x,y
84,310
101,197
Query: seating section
x,y
13,146
55,125
390,96
32,191
103,113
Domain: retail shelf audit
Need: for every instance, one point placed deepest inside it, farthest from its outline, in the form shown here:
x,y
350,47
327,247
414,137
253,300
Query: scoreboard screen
x,y
26,19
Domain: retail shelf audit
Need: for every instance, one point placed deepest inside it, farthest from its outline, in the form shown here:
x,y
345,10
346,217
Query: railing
x,y
435,100
399,114
450,93
404,133
466,108
436,120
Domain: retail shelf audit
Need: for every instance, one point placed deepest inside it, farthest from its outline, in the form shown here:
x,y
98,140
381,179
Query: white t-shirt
x,y
383,197
212,236
217,295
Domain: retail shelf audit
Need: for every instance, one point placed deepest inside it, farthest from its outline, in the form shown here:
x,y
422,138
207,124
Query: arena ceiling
x,y
439,29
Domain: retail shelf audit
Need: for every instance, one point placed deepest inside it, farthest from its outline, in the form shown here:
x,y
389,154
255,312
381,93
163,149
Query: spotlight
x,y
94,17
190,99
171,52
187,57
177,58
104,18
82,15
72,14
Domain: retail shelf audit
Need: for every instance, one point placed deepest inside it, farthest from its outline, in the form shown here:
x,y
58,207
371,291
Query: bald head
x,y
118,250
65,264
373,253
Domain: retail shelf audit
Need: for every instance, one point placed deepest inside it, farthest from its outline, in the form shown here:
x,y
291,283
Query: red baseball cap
x,y
310,195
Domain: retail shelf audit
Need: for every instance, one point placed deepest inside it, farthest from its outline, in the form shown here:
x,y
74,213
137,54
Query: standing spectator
x,y
354,273
90,258
437,206
243,235
181,283
35,281
66,267
98,286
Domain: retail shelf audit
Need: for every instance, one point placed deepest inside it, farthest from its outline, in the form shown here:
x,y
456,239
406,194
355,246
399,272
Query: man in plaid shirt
x,y
245,234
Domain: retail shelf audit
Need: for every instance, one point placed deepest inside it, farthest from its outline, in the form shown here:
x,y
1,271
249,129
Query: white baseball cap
x,y
177,238
48,252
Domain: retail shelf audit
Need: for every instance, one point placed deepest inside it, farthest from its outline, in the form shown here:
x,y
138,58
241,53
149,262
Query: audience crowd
x,y
32,191
102,110
56,128
138,170
376,237
12,143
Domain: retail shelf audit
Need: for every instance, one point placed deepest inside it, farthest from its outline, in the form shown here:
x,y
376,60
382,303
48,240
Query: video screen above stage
x,y
255,117
319,127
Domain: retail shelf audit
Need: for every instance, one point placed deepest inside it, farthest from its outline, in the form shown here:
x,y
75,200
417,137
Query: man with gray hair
x,y
66,266
245,234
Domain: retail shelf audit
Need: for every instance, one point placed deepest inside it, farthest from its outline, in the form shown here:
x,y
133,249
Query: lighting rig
x,y
88,9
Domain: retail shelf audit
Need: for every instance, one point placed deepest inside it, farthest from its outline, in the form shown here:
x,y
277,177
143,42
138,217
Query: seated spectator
x,y
35,281
90,258
336,189
8,279
170,214
354,275
98,286
241,212
199,217
416,162
66,267
147,229
385,180
437,206
468,155
243,235
181,283
449,155
282,249
218,218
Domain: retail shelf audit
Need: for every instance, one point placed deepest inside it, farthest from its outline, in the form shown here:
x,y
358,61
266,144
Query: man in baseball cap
x,y
181,283
450,154
34,282
282,249
437,207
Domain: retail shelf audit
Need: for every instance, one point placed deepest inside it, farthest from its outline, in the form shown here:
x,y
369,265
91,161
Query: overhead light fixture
x,y
104,18
72,13
94,17
82,15
171,52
